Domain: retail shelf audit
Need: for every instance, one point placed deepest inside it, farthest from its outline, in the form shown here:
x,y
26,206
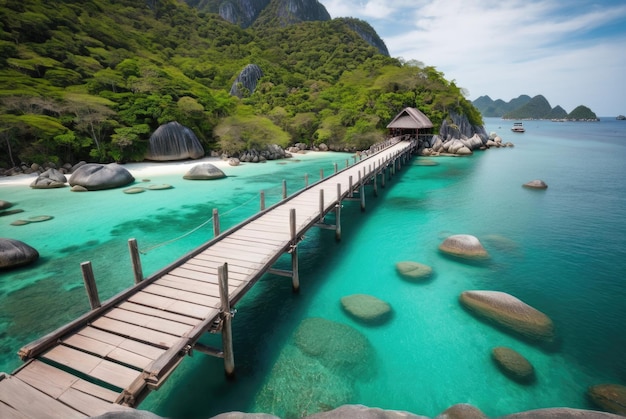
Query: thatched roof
x,y
410,118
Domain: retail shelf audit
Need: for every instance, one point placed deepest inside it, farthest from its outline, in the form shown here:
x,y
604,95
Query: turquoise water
x,y
562,250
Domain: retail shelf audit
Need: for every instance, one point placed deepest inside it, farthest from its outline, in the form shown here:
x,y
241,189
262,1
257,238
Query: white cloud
x,y
505,49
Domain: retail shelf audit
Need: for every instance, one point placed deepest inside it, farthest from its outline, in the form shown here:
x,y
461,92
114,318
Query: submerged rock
x,y
95,177
464,246
561,413
510,313
206,171
536,184
174,141
14,253
337,346
5,204
610,397
134,190
414,271
366,308
513,364
355,411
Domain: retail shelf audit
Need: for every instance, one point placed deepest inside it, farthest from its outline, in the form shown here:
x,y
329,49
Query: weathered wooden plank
x,y
31,402
198,273
240,273
229,254
258,252
192,285
236,264
173,306
88,404
190,297
118,354
46,378
254,237
158,313
107,371
155,323
153,337
254,244
96,391
7,412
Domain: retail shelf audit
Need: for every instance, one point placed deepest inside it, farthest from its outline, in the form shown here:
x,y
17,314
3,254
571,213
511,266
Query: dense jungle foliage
x,y
92,79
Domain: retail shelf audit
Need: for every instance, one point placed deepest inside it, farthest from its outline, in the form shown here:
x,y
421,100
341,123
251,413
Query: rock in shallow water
x,y
464,246
510,313
513,364
366,308
414,271
536,184
610,397
14,253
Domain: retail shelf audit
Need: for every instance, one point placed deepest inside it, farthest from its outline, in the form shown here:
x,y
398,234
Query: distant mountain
x,y
525,107
261,14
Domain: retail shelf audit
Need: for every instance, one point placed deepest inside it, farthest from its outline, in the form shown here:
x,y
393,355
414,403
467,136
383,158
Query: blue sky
x,y
571,52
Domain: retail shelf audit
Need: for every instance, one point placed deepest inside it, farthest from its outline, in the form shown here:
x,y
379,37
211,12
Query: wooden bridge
x,y
113,356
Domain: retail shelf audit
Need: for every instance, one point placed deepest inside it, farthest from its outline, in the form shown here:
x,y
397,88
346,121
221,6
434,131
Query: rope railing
x,y
146,250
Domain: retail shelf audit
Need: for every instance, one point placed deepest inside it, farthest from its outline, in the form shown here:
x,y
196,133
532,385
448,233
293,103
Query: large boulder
x,y
510,313
414,271
96,177
464,246
174,141
366,308
513,364
356,411
205,171
14,253
49,179
5,204
610,397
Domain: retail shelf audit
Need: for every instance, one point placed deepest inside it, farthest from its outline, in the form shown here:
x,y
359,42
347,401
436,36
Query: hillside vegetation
x,y
91,80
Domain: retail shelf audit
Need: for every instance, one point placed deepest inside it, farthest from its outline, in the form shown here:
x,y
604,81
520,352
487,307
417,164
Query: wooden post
x,y
384,173
338,214
284,189
375,183
354,157
336,168
306,180
262,200
227,331
362,194
321,205
295,277
90,285
350,186
321,174
347,163
135,260
216,223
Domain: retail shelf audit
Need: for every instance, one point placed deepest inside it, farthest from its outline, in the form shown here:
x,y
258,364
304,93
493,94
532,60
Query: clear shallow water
x,y
562,250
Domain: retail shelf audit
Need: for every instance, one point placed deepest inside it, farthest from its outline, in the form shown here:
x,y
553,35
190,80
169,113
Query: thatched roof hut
x,y
410,121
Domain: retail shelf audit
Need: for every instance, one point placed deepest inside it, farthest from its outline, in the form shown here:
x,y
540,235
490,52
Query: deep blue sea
x,y
560,250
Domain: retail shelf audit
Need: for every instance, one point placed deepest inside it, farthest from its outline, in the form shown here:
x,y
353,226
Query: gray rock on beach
x,y
174,141
510,313
464,246
205,171
49,179
14,253
96,177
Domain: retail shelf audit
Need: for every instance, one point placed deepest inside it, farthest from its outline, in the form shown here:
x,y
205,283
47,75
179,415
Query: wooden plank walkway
x,y
111,357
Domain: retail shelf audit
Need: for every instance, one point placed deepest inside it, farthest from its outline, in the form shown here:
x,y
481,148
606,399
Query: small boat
x,y
517,127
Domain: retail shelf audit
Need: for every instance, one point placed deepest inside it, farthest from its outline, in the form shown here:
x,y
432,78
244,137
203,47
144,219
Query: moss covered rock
x,y
366,308
464,246
414,271
513,364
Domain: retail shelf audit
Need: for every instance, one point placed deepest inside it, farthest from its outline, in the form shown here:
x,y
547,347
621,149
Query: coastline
x,y
146,169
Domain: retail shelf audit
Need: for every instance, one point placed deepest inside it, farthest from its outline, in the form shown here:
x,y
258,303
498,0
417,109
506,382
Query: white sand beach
x,y
146,169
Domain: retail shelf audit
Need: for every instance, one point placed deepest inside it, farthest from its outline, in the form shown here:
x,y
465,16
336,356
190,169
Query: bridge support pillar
x,y
338,214
295,276
227,316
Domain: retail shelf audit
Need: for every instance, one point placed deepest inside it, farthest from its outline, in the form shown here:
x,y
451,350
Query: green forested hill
x,y
92,79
